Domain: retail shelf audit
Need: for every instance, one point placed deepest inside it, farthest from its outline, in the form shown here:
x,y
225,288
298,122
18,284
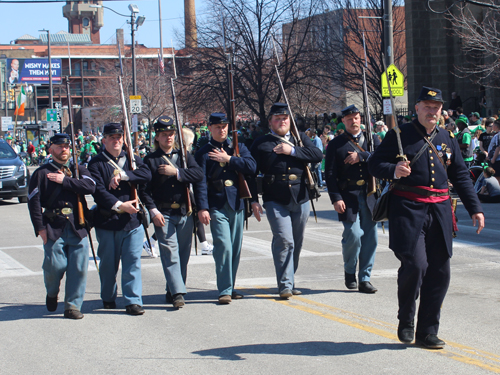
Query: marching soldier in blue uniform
x,y
285,194
219,204
54,188
347,179
165,198
421,219
118,228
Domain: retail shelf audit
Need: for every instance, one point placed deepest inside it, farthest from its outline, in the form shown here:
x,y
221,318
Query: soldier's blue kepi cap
x,y
279,109
112,128
217,118
429,93
350,110
163,124
60,138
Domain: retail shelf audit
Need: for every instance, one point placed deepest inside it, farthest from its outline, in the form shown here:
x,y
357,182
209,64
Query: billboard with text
x,y
33,71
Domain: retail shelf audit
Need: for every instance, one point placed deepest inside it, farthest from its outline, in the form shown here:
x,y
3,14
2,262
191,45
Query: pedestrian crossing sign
x,y
396,80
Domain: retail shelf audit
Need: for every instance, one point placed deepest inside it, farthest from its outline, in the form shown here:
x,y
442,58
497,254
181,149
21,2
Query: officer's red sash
x,y
422,198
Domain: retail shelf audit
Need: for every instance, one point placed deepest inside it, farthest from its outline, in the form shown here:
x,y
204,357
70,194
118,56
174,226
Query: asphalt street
x,y
326,330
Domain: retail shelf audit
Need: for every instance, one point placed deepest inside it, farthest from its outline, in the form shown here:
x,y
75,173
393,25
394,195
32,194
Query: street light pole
x,y
132,31
134,24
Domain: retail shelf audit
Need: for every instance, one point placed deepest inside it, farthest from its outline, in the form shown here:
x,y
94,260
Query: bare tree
x,y
480,36
341,34
153,89
249,30
319,50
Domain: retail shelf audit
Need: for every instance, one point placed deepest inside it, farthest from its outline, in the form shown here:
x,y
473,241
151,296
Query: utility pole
x,y
7,93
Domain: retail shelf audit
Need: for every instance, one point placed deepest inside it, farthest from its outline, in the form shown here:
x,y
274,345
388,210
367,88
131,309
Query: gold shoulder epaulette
x,y
451,134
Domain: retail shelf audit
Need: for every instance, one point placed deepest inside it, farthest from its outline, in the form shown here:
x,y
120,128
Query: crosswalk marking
x,y
254,248
10,267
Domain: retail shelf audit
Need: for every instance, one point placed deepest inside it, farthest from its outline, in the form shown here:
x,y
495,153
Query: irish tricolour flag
x,y
20,102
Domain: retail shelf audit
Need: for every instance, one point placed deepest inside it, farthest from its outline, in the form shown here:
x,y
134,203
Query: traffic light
x,y
10,95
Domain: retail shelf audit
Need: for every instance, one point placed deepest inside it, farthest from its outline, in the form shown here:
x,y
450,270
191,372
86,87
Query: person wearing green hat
x,y
8,139
464,139
203,138
475,119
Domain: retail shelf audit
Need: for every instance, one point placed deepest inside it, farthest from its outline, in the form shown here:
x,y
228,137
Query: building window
x,y
77,69
86,22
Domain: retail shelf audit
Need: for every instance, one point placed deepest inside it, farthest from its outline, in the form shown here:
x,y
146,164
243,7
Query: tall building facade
x,y
433,53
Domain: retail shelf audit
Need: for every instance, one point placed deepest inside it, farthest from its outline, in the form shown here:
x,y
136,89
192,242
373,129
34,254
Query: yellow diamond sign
x,y
396,80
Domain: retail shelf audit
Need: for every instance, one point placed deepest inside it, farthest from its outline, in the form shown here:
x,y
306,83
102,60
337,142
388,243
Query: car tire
x,y
23,199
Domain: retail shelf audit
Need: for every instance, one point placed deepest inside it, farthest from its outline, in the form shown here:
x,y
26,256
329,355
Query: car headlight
x,y
21,170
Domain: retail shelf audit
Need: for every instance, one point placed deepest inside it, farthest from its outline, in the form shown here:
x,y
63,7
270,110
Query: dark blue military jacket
x,y
212,192
340,177
40,192
102,172
167,189
275,186
406,217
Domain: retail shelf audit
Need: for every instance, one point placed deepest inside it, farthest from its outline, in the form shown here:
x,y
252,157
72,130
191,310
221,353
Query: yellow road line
x,y
464,358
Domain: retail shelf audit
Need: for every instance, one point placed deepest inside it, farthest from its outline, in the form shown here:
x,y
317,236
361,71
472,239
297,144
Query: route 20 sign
x,y
135,104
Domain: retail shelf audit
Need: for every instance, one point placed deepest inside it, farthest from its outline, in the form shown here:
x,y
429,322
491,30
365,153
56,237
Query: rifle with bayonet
x,y
142,214
372,184
181,142
81,213
310,181
243,190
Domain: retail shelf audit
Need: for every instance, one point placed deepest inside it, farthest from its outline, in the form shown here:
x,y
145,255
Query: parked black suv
x,y
14,175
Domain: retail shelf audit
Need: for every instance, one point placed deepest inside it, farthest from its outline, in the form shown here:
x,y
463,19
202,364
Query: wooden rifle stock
x,y
81,216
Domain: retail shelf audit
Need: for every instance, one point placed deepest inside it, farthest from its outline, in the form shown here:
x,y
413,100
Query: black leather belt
x,y
416,190
285,177
356,182
58,211
173,206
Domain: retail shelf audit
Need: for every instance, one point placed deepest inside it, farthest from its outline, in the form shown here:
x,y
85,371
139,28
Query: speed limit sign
x,y
135,104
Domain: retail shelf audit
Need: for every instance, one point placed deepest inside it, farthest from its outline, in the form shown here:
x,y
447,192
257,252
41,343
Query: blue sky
x,y
20,19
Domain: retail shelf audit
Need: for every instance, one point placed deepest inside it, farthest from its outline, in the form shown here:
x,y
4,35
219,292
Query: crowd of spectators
x,y
479,138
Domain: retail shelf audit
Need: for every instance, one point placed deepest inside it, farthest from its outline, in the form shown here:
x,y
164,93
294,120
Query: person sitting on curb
x,y
490,192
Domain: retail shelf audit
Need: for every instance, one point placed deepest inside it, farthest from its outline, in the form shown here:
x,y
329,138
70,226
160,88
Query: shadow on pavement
x,y
307,348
